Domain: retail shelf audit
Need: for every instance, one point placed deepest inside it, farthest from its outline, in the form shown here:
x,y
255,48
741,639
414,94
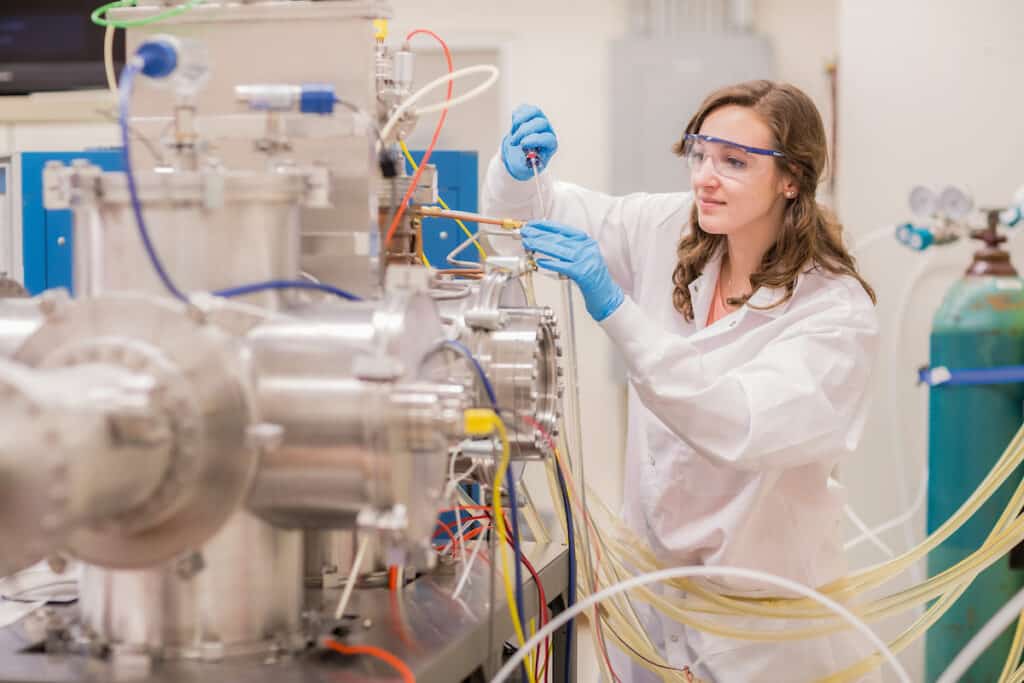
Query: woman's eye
x,y
736,162
697,156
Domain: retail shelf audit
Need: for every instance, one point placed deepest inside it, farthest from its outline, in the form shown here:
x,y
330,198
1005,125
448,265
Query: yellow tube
x,y
1013,658
469,233
499,528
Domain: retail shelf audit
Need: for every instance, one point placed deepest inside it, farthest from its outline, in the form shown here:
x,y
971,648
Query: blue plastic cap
x,y
904,232
159,58
1012,216
922,239
317,98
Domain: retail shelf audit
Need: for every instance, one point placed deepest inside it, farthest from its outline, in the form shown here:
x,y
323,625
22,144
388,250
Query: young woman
x,y
749,338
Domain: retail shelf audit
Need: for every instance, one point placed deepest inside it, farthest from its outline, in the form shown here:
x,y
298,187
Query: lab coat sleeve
x,y
621,225
790,403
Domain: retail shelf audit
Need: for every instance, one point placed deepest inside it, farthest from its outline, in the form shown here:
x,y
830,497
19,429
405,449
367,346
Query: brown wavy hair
x,y
811,236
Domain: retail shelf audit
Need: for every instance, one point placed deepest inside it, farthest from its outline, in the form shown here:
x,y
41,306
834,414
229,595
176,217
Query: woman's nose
x,y
704,175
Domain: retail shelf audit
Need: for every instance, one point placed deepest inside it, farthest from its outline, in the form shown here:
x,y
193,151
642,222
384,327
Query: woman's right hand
x,y
531,132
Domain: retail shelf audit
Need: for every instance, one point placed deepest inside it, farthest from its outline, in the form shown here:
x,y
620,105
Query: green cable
x,y
99,15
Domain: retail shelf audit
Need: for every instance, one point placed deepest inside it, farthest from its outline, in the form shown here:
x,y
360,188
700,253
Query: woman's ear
x,y
790,187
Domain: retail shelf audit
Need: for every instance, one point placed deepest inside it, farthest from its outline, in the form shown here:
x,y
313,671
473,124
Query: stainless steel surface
x,y
245,598
77,446
360,435
236,435
211,229
518,348
328,41
327,555
19,318
200,385
441,640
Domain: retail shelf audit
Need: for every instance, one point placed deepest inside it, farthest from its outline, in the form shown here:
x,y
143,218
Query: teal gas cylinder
x,y
980,324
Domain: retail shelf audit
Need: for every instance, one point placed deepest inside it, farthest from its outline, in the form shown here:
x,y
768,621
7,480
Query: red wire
x,y
542,600
468,536
597,625
468,507
433,140
375,652
392,578
542,605
454,534
446,527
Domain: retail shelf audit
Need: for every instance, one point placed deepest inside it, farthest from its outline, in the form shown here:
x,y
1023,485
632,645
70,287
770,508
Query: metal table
x,y
440,639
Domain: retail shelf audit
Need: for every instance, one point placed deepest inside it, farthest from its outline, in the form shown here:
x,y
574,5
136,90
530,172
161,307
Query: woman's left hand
x,y
575,254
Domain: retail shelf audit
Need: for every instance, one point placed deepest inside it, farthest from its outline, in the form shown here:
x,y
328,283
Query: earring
x,y
790,194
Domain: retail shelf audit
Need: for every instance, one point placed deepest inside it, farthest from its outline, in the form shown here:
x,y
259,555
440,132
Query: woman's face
x,y
733,188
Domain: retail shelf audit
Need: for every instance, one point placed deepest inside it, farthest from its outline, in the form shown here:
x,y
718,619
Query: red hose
x,y
433,141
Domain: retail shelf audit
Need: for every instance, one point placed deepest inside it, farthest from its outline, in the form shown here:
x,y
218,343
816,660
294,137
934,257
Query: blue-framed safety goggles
x,y
729,159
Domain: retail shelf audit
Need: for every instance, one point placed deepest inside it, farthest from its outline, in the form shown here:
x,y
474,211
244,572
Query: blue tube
x,y
509,478
1007,374
572,573
128,74
488,387
513,509
242,290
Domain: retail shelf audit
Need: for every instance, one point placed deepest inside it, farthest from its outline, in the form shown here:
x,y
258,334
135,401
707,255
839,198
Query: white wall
x,y
928,93
553,55
804,34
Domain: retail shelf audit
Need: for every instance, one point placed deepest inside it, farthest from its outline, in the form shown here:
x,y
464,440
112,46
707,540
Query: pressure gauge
x,y
954,202
923,202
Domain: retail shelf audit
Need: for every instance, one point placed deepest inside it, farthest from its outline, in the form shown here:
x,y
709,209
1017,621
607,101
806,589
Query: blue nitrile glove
x,y
530,131
575,254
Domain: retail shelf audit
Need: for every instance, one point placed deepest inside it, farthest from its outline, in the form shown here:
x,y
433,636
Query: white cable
x,y
982,639
866,532
906,516
465,97
466,570
693,572
895,431
876,235
408,104
353,576
108,58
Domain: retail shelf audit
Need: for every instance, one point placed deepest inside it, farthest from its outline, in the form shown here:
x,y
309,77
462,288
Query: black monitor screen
x,y
52,45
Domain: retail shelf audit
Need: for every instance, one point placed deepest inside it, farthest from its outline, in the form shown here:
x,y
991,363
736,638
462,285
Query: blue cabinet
x,y
47,235
46,239
457,185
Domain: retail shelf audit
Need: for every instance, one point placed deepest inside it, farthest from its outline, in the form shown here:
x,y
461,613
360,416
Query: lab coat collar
x,y
702,289
764,297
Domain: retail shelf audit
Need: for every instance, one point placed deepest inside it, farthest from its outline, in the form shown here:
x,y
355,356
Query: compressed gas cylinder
x,y
980,324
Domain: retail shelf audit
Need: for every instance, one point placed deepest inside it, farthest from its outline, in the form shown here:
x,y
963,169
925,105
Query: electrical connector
x,y
479,421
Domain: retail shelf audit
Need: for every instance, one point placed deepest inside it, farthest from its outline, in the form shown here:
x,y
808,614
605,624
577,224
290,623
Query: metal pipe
x,y
19,319
78,446
434,212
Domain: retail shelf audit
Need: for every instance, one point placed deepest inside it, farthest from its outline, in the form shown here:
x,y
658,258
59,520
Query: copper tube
x,y
434,212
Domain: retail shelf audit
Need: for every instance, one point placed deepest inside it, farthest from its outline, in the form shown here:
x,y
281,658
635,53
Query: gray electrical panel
x,y
657,85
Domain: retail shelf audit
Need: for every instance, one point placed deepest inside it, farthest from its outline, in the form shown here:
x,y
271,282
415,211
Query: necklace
x,y
721,290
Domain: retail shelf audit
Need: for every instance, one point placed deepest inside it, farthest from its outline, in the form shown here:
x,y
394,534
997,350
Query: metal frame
x,y
46,236
441,640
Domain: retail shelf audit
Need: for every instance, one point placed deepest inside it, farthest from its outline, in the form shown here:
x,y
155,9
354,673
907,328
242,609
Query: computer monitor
x,y
48,45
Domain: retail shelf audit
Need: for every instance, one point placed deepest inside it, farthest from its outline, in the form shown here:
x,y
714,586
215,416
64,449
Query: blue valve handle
x,y
1012,216
914,237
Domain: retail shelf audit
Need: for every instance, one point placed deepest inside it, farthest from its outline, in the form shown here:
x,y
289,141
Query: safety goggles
x,y
728,159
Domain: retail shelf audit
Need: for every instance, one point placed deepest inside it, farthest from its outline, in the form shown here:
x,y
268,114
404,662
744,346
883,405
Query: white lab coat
x,y
734,429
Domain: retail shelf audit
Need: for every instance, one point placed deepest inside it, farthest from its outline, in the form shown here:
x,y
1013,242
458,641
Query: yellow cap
x,y
380,29
479,421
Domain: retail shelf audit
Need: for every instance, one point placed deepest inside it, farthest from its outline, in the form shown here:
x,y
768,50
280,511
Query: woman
x,y
749,338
